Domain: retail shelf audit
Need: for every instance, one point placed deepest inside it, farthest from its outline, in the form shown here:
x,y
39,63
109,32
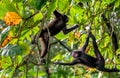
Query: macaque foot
x,y
116,70
33,41
42,60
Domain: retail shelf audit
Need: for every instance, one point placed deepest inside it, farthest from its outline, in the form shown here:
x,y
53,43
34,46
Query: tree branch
x,y
111,33
61,43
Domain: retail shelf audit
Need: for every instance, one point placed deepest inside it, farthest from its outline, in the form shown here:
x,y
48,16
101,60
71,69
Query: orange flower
x,y
91,69
77,34
5,41
12,18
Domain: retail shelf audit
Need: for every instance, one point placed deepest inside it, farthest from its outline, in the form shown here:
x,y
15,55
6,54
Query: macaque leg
x,y
69,63
96,50
44,45
85,43
101,60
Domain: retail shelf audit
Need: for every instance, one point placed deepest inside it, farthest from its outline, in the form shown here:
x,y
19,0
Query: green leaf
x,y
4,34
52,7
6,62
36,17
6,6
15,49
61,36
24,48
117,3
9,6
2,10
18,60
11,50
41,73
63,4
85,1
58,57
26,34
17,1
10,71
40,4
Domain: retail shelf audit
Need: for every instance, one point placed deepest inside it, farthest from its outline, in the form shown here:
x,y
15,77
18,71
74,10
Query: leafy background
x,y
20,59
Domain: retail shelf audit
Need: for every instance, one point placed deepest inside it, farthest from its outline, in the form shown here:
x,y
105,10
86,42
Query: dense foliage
x,y
20,20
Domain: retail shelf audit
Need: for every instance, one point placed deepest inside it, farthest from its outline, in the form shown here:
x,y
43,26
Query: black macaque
x,y
80,57
53,28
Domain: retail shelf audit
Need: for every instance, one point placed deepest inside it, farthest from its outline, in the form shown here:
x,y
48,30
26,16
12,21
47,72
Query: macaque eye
x,y
75,54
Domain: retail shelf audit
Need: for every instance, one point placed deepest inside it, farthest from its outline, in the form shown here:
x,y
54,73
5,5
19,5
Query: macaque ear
x,y
57,14
65,18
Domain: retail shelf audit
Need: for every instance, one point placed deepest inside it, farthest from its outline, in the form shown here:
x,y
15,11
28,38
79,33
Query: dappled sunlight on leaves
x,y
21,20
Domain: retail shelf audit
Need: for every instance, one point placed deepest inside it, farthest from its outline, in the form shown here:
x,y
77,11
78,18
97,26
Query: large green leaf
x,y
6,61
9,6
2,10
11,50
117,3
52,7
61,36
4,34
25,48
40,4
63,5
15,49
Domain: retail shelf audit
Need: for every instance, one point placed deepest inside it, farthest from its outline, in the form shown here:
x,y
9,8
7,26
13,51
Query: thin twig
x,y
112,34
31,16
63,45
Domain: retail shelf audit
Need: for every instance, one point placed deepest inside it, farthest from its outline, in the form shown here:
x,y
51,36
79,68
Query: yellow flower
x,y
12,18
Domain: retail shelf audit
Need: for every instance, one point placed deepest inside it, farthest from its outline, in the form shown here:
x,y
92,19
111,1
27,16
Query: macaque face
x,y
76,54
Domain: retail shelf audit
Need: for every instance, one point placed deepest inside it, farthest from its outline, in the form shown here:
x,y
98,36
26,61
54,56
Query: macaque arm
x,y
85,44
67,30
96,50
69,63
108,70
